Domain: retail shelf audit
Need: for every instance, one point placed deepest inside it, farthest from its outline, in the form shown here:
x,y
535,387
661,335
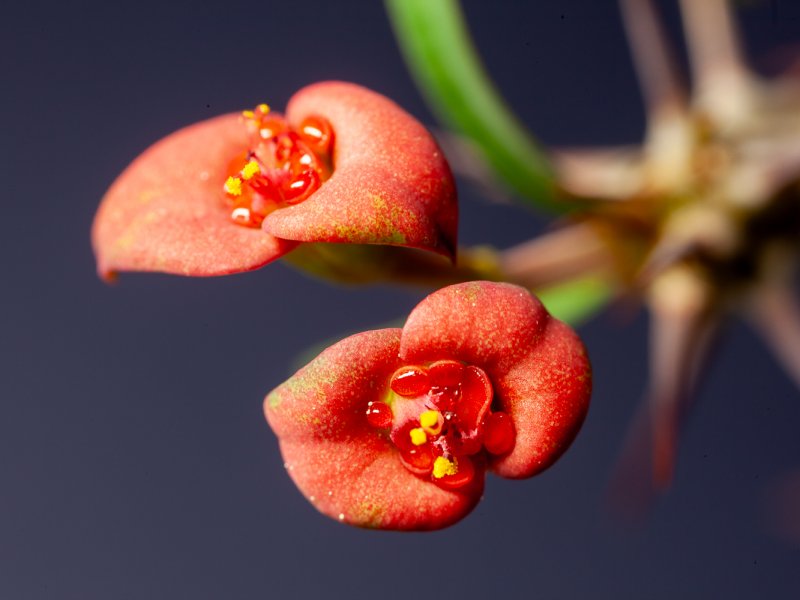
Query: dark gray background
x,y
134,459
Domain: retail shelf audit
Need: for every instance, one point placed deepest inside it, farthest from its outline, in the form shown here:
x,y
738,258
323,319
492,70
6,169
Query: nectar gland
x,y
282,166
440,418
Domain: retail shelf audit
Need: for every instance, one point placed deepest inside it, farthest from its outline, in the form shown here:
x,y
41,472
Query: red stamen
x,y
265,188
499,434
462,396
410,381
285,146
283,166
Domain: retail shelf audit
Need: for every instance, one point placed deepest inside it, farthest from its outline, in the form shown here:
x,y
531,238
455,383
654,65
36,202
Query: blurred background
x,y
134,458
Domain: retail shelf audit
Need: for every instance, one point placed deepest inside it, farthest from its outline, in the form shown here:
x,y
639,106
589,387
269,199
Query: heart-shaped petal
x,y
167,211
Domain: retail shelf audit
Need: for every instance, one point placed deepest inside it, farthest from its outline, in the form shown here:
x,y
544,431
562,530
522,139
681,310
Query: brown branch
x,y
557,256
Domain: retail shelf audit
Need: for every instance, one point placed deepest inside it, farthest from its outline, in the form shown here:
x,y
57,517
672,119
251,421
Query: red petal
x,y
391,183
537,364
480,323
328,445
546,394
328,398
168,211
364,484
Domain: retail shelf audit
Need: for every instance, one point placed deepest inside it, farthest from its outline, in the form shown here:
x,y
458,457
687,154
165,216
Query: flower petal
x,y
168,212
391,183
537,364
349,470
362,482
486,324
547,395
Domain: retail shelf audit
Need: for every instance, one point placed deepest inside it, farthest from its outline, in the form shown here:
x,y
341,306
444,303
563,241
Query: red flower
x,y
395,428
236,192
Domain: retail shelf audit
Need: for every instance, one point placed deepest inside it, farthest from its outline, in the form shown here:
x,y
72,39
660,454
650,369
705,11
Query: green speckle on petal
x,y
397,237
274,399
369,514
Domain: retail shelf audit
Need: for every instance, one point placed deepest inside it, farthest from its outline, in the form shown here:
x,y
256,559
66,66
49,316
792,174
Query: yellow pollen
x,y
248,114
250,169
442,467
418,436
233,185
264,108
429,419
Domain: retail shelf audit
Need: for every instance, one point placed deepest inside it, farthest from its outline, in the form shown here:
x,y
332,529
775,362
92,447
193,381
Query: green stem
x,y
570,296
436,44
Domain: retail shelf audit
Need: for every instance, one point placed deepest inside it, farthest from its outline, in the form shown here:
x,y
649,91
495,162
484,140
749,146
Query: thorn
x,y
684,325
612,173
557,256
653,59
681,304
724,86
775,314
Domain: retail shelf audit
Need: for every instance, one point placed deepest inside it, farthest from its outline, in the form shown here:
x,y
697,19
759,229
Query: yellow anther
x,y
418,436
264,108
442,467
250,169
233,185
429,420
248,114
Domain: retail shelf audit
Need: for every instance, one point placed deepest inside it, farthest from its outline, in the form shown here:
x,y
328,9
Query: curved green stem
x,y
436,44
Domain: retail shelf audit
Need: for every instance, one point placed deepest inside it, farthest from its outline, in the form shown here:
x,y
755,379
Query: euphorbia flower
x,y
395,428
345,165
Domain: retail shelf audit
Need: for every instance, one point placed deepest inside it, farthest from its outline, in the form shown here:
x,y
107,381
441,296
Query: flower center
x,y
282,166
440,418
